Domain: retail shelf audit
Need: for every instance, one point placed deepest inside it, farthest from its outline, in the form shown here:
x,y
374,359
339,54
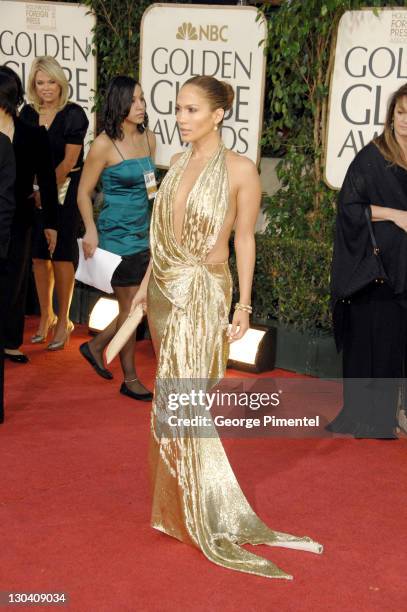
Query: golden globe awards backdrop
x,y
370,63
62,30
179,41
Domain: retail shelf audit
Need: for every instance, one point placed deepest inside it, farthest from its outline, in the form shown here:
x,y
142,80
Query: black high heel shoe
x,y
85,352
143,397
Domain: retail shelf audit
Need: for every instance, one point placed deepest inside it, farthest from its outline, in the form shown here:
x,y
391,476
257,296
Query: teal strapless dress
x,y
124,221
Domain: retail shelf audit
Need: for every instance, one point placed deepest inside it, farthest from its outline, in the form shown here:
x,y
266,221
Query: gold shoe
x,y
38,338
58,345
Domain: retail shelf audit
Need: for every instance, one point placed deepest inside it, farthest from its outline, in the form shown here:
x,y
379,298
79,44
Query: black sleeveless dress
x,y
69,127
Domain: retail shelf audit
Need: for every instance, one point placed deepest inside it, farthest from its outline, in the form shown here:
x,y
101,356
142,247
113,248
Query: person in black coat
x,y
7,207
369,280
33,162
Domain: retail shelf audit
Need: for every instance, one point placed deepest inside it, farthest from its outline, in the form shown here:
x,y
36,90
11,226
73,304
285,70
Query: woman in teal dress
x,y
122,156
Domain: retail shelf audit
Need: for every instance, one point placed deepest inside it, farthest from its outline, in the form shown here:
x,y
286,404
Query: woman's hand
x,y
240,325
399,217
90,242
139,298
37,199
51,238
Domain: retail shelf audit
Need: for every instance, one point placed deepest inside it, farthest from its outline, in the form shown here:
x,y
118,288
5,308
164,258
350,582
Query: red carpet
x,y
74,510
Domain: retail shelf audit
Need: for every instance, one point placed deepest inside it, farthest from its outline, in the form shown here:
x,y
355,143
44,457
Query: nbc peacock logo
x,y
187,31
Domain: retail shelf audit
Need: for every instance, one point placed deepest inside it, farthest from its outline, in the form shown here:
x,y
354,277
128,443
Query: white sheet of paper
x,y
97,271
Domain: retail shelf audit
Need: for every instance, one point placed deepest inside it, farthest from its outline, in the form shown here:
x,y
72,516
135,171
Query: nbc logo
x,y
187,32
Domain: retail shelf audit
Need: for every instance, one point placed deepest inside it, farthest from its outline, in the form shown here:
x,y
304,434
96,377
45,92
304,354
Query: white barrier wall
x,y
180,41
62,30
370,64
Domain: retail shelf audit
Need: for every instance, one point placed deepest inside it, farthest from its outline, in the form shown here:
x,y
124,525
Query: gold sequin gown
x,y
196,497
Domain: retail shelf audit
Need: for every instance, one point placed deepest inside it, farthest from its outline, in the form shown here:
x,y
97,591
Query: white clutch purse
x,y
62,191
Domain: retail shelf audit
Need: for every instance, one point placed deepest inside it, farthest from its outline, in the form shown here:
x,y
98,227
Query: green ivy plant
x,y
116,39
291,282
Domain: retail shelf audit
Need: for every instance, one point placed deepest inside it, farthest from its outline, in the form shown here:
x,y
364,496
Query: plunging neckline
x,y
194,186
44,125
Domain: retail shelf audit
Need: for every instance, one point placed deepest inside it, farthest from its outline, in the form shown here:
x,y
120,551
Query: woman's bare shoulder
x,y
102,143
240,165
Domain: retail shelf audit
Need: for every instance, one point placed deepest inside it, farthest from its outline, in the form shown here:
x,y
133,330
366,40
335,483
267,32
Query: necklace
x,y
48,115
136,149
137,146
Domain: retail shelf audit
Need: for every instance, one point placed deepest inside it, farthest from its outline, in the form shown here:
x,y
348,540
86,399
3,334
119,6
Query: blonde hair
x,y
386,142
50,66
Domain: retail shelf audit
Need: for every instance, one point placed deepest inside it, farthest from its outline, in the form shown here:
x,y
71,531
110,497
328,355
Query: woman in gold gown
x,y
187,290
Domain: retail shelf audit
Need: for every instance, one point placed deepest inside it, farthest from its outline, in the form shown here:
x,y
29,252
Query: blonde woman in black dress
x,y
66,124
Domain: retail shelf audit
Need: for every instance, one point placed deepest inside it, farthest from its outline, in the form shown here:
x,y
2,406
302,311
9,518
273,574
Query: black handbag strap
x,y
376,249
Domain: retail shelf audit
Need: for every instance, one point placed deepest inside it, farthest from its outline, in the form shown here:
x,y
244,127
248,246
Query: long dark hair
x,y
386,142
118,101
11,90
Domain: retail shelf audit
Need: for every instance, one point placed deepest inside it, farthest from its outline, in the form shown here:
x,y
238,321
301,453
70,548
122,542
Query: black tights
x,y
97,345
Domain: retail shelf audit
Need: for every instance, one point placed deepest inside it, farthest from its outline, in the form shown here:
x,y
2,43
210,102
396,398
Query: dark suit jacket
x,y
7,199
34,164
